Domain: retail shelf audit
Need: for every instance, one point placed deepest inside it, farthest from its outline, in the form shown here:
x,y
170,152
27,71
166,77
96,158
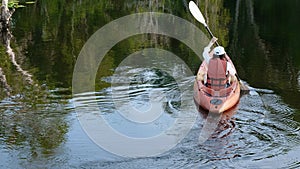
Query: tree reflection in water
x,y
31,120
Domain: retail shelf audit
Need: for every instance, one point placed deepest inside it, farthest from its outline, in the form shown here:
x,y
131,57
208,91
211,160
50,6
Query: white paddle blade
x,y
197,13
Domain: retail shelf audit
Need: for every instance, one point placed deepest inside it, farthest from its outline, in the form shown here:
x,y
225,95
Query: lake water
x,y
39,127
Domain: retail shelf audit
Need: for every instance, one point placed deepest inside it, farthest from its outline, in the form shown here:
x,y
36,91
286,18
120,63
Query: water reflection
x,y
38,125
33,127
264,46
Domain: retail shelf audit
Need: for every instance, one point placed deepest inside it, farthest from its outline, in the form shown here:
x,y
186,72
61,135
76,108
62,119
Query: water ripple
x,y
260,132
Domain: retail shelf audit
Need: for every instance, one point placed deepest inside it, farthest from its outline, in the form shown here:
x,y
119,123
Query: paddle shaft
x,y
211,34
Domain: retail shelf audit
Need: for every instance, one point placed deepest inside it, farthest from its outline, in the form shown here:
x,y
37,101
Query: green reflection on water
x,y
261,37
265,46
49,35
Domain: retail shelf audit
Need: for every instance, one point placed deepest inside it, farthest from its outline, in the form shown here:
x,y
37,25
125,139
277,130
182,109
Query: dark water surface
x,y
38,123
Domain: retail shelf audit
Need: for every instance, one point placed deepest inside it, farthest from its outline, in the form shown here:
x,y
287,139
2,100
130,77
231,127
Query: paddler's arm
x,y
231,71
207,49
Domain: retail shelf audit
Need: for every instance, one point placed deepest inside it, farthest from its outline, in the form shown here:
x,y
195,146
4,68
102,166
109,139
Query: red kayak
x,y
216,98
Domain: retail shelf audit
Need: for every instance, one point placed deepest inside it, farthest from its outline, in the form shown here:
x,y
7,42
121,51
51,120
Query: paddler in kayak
x,y
220,72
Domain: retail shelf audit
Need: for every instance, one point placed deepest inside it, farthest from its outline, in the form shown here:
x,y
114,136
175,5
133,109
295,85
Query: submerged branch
x,y
5,16
5,34
12,56
4,83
